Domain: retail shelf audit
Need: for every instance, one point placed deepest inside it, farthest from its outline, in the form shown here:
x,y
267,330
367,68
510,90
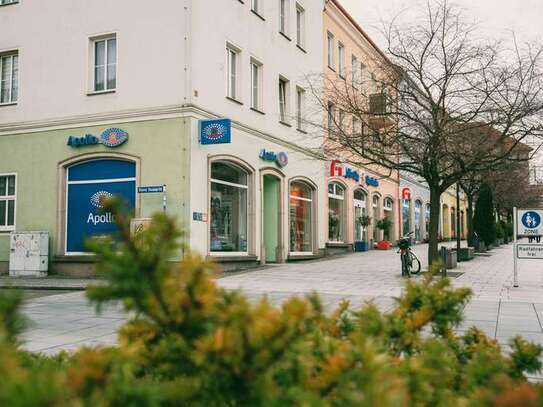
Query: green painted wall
x,y
271,217
162,145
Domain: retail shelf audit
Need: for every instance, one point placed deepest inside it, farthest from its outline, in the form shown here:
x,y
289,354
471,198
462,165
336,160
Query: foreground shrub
x,y
189,342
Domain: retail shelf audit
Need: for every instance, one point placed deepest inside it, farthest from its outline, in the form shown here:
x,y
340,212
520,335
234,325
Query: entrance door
x,y
272,217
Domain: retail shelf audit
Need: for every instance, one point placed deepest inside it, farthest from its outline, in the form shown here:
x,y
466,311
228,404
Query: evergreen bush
x,y
483,219
188,342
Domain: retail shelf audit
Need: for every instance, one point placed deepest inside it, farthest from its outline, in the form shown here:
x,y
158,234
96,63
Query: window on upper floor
x,y
8,197
256,6
300,26
9,77
331,113
256,85
6,2
283,100
105,63
341,59
341,119
284,16
331,50
300,108
355,67
232,72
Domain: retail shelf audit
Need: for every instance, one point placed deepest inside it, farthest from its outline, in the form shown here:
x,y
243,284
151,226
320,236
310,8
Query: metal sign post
x,y
526,223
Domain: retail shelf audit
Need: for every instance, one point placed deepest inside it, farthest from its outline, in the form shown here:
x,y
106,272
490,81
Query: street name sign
x,y
530,251
151,189
529,222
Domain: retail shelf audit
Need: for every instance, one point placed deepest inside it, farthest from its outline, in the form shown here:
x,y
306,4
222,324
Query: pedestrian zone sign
x,y
529,251
529,222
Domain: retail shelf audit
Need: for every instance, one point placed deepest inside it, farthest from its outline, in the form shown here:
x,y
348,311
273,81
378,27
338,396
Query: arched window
x,y
376,217
388,205
418,220
406,216
301,217
228,208
88,184
336,212
360,212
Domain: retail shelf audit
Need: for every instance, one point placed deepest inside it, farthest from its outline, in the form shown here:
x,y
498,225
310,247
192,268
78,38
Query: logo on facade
x,y
281,159
339,170
98,198
531,220
215,131
372,181
113,137
406,194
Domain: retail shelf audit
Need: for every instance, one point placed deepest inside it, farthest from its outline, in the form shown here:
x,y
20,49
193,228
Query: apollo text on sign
x,y
529,222
530,251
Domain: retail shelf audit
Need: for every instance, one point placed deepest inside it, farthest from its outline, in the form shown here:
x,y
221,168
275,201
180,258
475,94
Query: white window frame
x,y
233,72
310,200
284,17
256,86
256,6
12,84
387,207
284,106
331,50
93,41
341,59
7,198
300,108
300,26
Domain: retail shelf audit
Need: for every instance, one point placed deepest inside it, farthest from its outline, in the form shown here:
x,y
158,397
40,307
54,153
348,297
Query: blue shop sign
x,y
281,159
151,189
371,181
216,131
112,137
89,183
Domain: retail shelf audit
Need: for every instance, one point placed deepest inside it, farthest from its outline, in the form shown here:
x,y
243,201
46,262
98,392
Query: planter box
x,y
480,247
383,245
361,246
466,254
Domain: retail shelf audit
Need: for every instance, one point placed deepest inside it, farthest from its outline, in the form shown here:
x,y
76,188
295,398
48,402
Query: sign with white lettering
x,y
530,251
151,189
529,222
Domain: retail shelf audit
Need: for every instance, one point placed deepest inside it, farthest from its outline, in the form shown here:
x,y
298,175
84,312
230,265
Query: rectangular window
x,y
283,100
355,76
8,196
256,85
232,72
283,16
300,108
341,59
256,6
341,119
2,2
356,126
300,26
330,117
9,78
331,50
105,64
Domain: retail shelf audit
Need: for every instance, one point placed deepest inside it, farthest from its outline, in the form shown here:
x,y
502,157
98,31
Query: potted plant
x,y
333,225
385,225
362,245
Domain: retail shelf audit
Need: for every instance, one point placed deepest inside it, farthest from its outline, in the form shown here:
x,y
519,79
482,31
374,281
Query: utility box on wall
x,y
28,254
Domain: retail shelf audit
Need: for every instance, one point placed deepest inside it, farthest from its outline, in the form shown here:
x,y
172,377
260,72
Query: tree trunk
x,y
433,233
471,231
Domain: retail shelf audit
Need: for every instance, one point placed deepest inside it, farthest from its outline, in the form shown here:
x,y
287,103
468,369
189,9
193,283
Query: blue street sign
x,y
151,189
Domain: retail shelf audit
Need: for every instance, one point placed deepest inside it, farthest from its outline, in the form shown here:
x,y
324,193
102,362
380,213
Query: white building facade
x,y
206,97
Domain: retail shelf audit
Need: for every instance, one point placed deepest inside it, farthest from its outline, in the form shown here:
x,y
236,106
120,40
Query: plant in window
x,y
333,223
385,225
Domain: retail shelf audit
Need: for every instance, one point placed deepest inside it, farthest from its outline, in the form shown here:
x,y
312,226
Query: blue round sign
x,y
531,220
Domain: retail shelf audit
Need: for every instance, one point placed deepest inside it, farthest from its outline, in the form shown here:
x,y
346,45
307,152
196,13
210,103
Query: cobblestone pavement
x,y
66,321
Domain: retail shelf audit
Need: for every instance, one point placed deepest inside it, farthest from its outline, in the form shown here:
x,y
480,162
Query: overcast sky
x,y
495,17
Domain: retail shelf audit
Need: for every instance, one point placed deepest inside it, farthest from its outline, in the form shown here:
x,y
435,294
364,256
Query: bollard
x,y
443,254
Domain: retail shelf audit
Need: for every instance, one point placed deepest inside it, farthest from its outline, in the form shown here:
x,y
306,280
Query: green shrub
x,y
483,219
500,233
189,342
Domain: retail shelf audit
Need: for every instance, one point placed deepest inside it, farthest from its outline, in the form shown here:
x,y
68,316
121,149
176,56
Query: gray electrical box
x,y
29,254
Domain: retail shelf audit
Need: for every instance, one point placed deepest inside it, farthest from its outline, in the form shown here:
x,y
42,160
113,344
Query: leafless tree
x,y
439,103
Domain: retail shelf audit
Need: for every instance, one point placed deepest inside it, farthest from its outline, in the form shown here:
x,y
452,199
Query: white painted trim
x,y
10,228
102,181
230,184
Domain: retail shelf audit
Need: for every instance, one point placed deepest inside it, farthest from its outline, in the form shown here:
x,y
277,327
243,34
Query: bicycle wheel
x,y
406,268
415,263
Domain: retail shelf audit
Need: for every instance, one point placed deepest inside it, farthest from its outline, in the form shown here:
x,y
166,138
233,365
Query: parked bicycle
x,y
410,262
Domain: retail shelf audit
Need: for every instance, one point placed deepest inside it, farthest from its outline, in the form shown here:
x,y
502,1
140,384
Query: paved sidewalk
x,y
48,283
67,321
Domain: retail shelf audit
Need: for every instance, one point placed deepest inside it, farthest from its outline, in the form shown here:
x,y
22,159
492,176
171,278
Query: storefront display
x,y
301,203
336,212
228,208
359,203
